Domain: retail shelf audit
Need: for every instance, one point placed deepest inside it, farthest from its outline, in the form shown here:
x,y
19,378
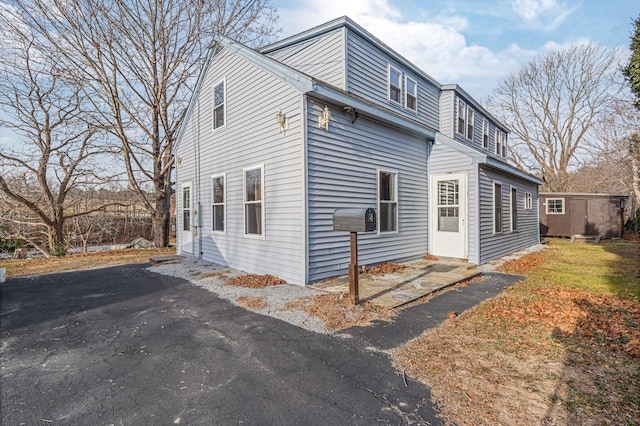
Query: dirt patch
x,y
255,281
252,303
223,275
338,313
385,268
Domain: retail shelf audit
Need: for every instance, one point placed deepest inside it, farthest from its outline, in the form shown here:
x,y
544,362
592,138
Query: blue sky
x,y
472,43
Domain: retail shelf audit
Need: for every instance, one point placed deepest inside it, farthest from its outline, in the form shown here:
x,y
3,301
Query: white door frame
x,y
186,235
447,243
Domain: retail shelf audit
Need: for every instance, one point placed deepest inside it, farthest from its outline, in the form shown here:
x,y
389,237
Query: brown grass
x,y
74,262
338,313
255,281
223,275
253,303
560,348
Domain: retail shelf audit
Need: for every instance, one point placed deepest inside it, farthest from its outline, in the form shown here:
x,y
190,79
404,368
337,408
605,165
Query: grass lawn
x,y
72,262
559,348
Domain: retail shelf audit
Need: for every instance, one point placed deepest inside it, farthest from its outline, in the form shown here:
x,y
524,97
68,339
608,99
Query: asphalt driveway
x,y
124,345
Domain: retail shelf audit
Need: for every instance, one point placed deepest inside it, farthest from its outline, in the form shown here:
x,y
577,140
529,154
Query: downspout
x,y
196,202
305,188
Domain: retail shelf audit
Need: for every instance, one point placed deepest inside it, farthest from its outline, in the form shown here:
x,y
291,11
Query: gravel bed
x,y
275,296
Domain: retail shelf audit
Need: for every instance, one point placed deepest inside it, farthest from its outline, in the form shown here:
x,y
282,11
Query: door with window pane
x,y
186,240
448,215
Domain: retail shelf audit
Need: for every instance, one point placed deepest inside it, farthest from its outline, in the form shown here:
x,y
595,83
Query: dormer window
x,y
470,119
501,142
395,85
485,133
462,117
411,95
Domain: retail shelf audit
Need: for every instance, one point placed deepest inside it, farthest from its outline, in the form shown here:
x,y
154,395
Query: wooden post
x,y
353,270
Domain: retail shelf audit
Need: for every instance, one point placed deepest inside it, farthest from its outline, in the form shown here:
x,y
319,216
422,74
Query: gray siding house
x,y
275,140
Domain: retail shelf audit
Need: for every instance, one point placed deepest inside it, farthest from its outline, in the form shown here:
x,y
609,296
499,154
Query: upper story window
x,y
485,133
462,117
387,201
501,142
219,101
395,85
411,95
470,120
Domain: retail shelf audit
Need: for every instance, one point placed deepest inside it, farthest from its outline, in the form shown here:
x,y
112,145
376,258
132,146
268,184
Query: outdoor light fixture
x,y
281,119
354,113
325,118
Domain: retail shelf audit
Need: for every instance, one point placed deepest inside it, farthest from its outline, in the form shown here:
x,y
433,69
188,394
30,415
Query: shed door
x,y
448,215
186,240
579,216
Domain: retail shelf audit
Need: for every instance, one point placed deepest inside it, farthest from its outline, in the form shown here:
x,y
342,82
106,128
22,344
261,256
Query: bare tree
x,y
139,59
552,105
56,149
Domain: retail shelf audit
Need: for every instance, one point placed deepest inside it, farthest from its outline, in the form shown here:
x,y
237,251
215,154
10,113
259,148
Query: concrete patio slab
x,y
418,278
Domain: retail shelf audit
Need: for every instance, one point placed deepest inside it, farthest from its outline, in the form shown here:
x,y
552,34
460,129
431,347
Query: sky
x,y
472,43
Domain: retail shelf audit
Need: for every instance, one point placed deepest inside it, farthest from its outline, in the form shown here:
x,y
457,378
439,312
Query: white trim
x,y
224,203
513,203
471,118
461,106
485,126
182,209
463,208
493,207
414,94
501,137
546,206
223,80
397,201
262,235
528,201
389,68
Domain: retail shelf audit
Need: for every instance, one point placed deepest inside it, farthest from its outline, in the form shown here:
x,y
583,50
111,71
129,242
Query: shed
x,y
564,214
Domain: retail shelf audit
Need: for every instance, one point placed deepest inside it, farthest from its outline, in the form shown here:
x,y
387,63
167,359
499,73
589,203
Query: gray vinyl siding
x,y
494,246
342,172
322,57
444,159
368,77
251,137
447,113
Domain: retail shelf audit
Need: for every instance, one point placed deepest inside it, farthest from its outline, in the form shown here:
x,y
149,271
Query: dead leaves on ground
x,y
253,303
385,268
521,265
338,313
255,281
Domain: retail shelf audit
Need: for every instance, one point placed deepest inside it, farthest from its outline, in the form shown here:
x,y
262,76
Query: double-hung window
x,y
462,117
528,201
411,94
218,203
485,133
253,201
501,140
219,101
497,207
470,119
395,85
387,201
514,209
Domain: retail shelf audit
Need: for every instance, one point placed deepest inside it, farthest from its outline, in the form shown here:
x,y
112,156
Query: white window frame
x,y
501,140
547,202
399,87
461,114
471,116
222,81
513,209
528,201
407,79
223,204
188,209
485,133
396,201
262,235
493,214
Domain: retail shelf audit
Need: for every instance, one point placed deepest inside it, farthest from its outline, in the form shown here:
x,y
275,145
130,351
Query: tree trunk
x,y
162,220
56,240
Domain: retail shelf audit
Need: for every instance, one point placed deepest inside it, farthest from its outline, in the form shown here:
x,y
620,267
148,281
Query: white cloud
x,y
436,46
543,14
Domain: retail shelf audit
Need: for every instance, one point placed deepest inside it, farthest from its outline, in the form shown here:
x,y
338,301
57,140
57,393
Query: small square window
x,y
555,206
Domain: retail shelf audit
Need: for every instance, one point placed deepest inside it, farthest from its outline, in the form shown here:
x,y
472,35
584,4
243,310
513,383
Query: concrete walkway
x,y
417,279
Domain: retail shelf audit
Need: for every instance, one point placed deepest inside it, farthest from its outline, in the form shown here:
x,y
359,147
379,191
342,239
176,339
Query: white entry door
x,y
186,240
449,215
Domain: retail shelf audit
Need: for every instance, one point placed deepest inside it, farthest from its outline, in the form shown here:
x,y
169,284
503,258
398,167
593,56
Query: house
x,y
570,214
275,140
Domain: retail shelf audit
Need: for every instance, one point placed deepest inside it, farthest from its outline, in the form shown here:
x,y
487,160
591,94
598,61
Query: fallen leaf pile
x,y
214,274
338,313
430,257
521,265
255,281
385,268
578,314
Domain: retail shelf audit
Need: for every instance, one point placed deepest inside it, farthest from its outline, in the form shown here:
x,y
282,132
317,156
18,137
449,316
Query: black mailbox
x,y
354,220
